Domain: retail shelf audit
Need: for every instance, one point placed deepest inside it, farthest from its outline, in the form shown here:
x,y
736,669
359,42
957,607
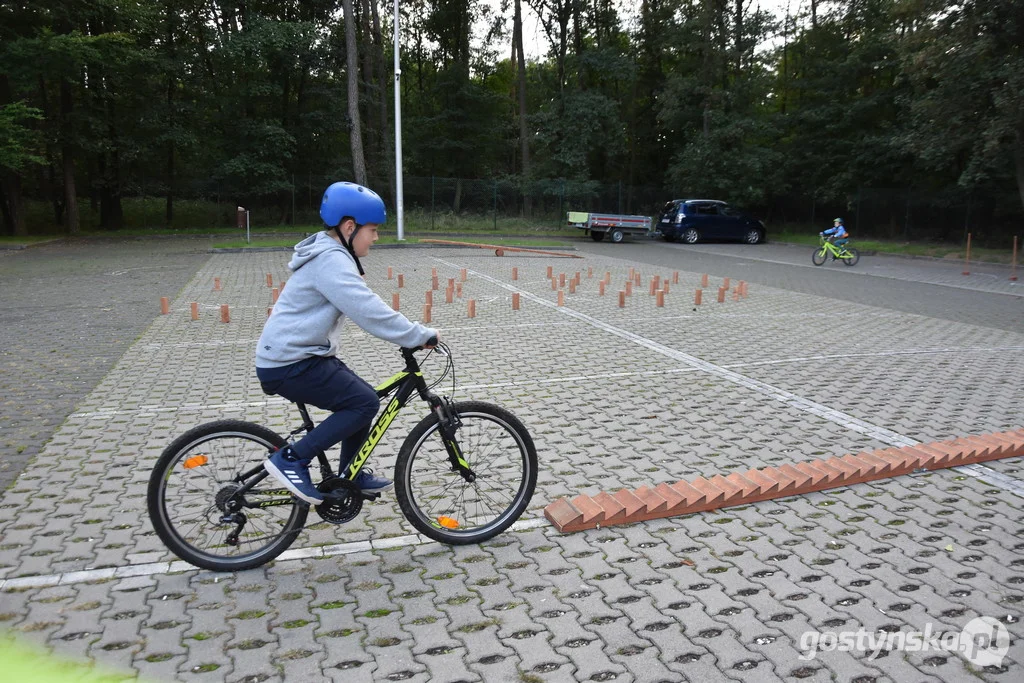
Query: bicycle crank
x,y
342,500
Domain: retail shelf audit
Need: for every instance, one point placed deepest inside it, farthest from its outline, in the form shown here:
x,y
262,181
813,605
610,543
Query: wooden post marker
x,y
704,281
561,279
561,297
515,273
391,273
225,313
697,296
590,269
433,272
433,282
165,305
282,285
661,298
401,281
622,299
430,297
472,308
721,295
194,307
675,277
725,283
462,274
216,284
426,313
550,271
458,289
967,259
629,288
572,286
515,301
394,300
554,284
736,294
449,294
743,288
600,288
274,293
665,286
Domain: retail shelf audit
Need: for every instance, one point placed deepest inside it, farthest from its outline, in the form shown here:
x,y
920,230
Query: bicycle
x,y
846,254
464,474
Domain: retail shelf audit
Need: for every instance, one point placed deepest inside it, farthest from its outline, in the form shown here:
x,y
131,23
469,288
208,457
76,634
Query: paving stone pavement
x,y
614,397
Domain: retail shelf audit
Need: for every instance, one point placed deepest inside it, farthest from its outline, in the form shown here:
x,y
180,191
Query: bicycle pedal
x,y
369,495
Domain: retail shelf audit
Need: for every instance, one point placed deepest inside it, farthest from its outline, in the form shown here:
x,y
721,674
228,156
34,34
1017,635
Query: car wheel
x,y
753,236
617,235
597,236
691,236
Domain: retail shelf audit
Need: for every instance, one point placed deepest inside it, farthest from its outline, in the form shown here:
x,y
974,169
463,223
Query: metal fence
x,y
450,204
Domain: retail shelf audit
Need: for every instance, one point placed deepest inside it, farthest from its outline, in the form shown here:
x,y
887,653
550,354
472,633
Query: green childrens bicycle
x,y
826,248
464,474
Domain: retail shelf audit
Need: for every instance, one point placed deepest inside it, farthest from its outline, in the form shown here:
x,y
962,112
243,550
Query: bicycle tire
x,y
819,256
500,452
183,506
853,258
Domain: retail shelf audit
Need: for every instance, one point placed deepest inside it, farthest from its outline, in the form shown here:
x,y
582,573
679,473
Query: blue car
x,y
693,220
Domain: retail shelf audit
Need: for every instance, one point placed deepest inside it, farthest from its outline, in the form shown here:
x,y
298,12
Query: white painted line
x,y
160,568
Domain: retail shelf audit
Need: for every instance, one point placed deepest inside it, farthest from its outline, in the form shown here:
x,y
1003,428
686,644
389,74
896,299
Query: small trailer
x,y
613,225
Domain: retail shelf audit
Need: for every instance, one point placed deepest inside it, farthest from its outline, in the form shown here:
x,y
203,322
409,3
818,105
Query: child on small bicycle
x,y
296,356
837,233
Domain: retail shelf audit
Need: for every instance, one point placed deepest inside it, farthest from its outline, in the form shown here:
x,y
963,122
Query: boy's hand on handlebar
x,y
433,341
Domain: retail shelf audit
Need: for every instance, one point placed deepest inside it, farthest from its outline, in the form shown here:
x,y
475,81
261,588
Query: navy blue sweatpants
x,y
328,384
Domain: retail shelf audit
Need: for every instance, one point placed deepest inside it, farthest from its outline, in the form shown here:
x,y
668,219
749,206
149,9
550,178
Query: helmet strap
x,y
348,245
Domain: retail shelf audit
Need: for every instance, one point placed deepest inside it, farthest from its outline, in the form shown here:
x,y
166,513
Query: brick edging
x,y
698,495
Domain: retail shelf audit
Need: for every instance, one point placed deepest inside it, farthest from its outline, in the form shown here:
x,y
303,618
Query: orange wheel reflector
x,y
448,522
195,461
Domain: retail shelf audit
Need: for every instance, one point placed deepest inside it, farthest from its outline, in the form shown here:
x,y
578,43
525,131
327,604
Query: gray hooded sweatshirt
x,y
326,288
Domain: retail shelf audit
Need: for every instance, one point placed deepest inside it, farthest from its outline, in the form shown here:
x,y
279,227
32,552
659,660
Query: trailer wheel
x,y
617,235
596,236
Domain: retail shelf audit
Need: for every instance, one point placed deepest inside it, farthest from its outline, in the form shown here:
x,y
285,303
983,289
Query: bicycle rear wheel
x,y
852,259
439,502
819,256
194,479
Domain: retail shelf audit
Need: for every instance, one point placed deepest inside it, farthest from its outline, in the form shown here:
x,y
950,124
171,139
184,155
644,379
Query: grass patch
x,y
932,249
497,240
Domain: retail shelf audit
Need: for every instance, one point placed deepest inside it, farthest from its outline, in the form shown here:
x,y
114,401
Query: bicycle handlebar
x,y
430,343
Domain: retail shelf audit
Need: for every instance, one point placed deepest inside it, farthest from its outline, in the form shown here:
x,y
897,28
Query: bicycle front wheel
x,y
439,502
853,257
190,487
819,256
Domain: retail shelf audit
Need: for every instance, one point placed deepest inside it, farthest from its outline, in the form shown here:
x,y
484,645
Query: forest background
x,y
905,116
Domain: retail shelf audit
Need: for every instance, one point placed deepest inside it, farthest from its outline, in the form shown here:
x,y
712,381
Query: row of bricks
x,y
700,494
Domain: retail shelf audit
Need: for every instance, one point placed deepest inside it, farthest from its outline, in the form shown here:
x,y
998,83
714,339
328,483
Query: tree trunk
x,y
71,221
524,138
387,142
1018,158
352,67
14,219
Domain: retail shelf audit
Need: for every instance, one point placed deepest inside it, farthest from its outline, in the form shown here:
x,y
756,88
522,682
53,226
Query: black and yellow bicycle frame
x,y
403,385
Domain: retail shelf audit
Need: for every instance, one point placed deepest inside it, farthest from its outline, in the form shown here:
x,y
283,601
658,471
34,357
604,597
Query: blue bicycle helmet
x,y
362,204
348,199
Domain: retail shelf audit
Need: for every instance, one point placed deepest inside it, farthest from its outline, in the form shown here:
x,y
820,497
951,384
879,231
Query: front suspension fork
x,y
448,424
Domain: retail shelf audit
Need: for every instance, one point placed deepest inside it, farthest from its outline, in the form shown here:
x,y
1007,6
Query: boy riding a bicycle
x,y
837,233
296,356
